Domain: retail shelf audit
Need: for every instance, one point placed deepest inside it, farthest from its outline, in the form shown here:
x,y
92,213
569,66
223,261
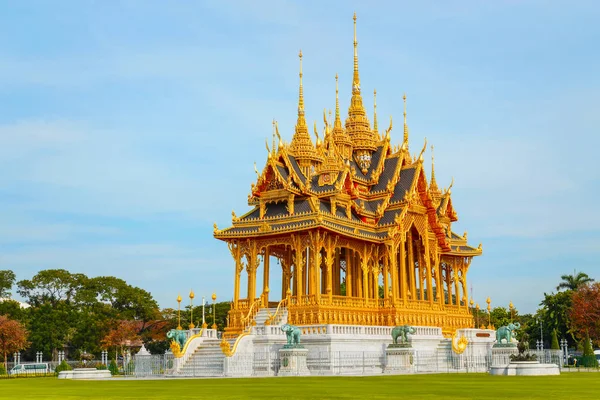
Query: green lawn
x,y
449,386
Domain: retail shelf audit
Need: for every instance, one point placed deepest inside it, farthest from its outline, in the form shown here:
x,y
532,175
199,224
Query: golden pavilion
x,y
361,236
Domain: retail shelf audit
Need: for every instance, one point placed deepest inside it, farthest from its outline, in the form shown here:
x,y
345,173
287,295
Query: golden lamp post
x,y
472,307
192,309
214,299
489,308
179,312
511,307
477,313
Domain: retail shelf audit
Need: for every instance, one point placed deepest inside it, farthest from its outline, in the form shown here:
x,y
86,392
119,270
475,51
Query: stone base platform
x,y
293,362
399,359
85,373
525,368
501,354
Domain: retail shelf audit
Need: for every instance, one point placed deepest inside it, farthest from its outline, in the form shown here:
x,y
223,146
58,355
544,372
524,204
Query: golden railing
x,y
278,311
248,322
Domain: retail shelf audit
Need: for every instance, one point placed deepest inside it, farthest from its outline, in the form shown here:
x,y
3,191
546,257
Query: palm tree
x,y
572,282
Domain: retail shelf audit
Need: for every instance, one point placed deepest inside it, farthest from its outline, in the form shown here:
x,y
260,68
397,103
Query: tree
x,y
122,335
588,359
51,286
500,316
7,280
572,282
13,337
584,313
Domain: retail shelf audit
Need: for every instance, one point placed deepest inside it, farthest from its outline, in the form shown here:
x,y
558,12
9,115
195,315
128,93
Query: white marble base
x,y
293,362
501,355
85,373
398,360
525,368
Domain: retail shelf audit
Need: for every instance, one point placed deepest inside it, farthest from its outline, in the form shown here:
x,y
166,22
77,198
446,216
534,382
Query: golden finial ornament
x,y
179,311
214,299
433,186
192,326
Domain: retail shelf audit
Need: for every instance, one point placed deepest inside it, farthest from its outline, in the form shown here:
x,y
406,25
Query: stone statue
x,y
293,335
401,332
178,337
506,332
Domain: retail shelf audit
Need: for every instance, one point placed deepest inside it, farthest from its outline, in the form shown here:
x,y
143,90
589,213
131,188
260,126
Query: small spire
x,y
433,187
375,112
273,144
405,125
338,122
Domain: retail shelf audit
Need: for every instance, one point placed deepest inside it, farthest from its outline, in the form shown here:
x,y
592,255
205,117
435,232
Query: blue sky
x,y
128,128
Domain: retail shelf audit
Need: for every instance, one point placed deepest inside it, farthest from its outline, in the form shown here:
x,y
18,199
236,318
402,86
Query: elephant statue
x,y
401,332
506,332
178,336
293,335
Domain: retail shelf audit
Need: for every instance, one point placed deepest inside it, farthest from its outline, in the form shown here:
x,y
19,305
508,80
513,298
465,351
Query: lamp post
x,y
179,312
203,319
472,305
541,333
214,299
489,309
191,309
477,313
511,307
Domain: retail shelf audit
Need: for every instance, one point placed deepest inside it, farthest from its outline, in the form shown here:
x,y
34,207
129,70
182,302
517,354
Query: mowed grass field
x,y
447,386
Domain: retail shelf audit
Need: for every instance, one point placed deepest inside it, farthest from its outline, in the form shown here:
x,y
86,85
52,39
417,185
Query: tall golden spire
x,y
357,124
405,141
302,147
340,137
375,112
301,118
356,78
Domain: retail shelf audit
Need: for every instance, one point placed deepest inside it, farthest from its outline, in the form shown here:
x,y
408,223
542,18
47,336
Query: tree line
x,y
77,314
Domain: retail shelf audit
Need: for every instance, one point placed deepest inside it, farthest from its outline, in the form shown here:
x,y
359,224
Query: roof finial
x,y
405,125
273,144
375,112
433,186
356,80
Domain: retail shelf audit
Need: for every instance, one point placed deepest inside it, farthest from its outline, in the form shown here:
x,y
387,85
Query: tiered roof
x,y
365,202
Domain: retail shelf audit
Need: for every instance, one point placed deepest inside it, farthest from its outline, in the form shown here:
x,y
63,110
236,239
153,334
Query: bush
x,y
554,345
100,366
63,366
114,370
2,370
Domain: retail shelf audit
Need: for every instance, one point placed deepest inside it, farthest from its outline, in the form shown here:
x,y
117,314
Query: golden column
x,y
192,309
214,299
179,312
511,307
477,314
266,263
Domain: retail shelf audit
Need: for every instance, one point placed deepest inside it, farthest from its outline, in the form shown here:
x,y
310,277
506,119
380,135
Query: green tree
x,y
13,337
573,282
13,310
7,280
500,316
588,359
51,286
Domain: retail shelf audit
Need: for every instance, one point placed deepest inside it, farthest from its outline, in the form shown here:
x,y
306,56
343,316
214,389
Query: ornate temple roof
x,y
355,183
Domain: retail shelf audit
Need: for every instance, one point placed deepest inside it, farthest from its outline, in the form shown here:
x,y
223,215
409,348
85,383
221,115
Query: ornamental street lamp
x,y
477,308
191,309
511,307
214,299
489,309
541,333
203,314
179,312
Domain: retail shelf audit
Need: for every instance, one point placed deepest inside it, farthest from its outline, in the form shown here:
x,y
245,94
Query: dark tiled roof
x,y
276,210
455,236
404,183
254,214
291,225
388,173
389,216
369,205
340,211
375,158
301,206
314,185
325,207
283,172
466,248
294,165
